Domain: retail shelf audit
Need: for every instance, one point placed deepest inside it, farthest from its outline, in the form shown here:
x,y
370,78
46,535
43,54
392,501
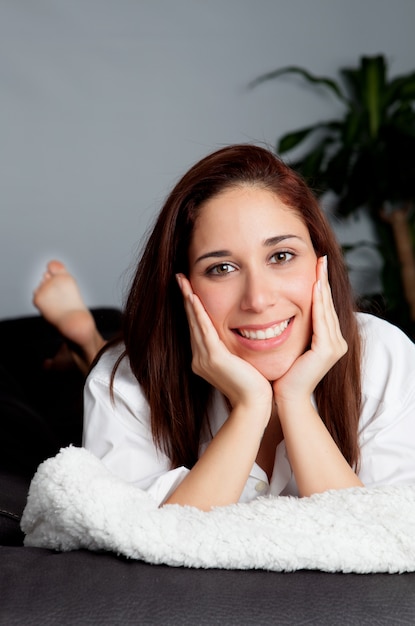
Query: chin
x,y
273,371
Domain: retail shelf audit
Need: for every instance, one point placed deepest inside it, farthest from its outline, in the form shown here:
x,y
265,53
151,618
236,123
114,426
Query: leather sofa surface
x,y
43,587
13,492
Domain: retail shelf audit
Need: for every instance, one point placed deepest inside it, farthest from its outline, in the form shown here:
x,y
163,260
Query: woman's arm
x,y
316,460
218,478
220,475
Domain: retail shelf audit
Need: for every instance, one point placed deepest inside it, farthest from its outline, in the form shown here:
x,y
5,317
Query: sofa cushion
x,y
13,494
43,587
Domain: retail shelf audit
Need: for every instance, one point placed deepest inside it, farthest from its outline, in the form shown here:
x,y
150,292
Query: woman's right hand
x,y
219,476
238,380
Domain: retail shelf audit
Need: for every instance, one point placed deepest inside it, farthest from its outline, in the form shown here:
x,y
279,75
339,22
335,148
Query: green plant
x,y
367,158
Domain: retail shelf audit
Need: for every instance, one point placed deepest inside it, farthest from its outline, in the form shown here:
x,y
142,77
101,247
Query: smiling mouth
x,y
267,333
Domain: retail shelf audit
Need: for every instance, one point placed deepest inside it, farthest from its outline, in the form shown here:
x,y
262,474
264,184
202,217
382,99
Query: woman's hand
x,y
315,459
239,381
327,345
220,474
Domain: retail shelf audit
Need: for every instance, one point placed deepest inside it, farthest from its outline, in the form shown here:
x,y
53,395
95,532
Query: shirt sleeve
x,y
117,430
388,444
387,434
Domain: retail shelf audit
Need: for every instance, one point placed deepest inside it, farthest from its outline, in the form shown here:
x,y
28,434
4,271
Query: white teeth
x,y
269,333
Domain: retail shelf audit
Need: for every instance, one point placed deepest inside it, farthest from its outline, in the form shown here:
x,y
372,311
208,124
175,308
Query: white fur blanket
x,y
74,502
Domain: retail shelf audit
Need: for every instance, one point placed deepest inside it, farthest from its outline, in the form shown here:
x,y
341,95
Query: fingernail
x,y
325,263
319,285
179,279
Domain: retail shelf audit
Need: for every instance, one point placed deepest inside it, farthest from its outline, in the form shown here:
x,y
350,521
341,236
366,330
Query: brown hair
x,y
156,333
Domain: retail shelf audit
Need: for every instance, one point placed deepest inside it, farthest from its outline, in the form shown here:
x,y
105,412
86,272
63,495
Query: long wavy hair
x,y
155,327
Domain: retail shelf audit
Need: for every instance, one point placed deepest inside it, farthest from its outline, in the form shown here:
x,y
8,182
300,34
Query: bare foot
x,y
60,302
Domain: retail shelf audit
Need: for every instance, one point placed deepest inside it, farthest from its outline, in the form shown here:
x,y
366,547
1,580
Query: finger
x,y
329,311
188,299
202,329
185,286
320,298
326,326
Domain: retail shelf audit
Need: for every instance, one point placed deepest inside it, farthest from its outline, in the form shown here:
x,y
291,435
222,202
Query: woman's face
x,y
253,266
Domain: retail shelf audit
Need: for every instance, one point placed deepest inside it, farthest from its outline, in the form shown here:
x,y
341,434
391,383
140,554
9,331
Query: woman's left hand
x,y
327,345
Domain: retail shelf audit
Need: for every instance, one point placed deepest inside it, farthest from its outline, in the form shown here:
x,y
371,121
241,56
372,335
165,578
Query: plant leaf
x,y
401,88
353,79
293,69
338,167
373,81
311,165
291,140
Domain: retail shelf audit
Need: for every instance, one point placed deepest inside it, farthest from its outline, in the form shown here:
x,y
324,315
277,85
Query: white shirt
x,y
119,431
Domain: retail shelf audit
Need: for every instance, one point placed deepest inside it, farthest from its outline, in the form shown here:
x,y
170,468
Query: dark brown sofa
x,y
43,587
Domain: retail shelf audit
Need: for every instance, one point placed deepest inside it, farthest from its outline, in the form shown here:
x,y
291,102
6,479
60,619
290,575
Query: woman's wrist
x,y
293,411
256,410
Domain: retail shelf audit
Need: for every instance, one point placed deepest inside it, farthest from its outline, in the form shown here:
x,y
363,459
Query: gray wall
x,y
104,103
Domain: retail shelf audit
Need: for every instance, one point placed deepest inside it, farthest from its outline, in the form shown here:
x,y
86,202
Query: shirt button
x,y
261,486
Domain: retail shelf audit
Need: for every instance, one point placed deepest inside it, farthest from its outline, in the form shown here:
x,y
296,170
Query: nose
x,y
259,293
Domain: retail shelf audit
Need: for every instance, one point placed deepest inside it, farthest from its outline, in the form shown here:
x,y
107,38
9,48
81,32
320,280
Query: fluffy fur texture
x,y
74,503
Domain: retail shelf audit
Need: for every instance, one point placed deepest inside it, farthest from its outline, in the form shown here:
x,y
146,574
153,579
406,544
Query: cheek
x,y
216,303
303,289
308,297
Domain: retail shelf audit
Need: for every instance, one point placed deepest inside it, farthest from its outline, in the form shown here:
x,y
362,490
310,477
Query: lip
x,y
266,343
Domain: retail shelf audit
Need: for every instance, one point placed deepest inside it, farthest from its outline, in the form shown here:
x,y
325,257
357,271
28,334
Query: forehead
x,y
245,208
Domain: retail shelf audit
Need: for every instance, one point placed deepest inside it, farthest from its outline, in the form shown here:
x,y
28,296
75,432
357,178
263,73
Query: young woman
x,y
243,369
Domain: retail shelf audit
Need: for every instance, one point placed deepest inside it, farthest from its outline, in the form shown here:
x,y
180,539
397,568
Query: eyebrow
x,y
273,241
268,243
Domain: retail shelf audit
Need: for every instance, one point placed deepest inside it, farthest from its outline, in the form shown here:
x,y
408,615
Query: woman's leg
x,y
60,302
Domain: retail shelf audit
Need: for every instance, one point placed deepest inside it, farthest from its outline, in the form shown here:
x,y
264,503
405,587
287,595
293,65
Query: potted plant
x,y
367,158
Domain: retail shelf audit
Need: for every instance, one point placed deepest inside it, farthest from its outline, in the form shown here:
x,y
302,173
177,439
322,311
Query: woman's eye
x,y
282,257
221,269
